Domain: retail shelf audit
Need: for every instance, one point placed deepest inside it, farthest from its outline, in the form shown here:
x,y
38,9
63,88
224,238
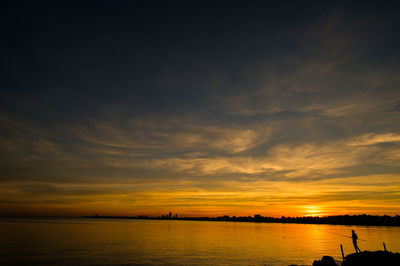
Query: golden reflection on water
x,y
84,241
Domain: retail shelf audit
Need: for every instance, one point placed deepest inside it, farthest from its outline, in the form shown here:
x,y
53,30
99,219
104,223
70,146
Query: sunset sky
x,y
200,108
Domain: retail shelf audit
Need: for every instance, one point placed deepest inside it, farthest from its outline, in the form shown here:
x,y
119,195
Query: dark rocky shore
x,y
364,258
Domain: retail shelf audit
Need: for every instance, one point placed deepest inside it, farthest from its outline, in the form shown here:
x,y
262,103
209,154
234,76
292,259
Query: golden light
x,y
312,211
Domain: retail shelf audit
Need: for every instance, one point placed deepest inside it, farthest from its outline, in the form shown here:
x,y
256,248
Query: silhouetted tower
x,y
169,215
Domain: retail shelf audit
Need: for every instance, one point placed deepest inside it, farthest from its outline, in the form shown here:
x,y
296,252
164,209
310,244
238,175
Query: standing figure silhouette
x,y
355,237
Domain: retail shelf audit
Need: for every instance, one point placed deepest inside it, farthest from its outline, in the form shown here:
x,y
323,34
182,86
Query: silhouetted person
x,y
355,237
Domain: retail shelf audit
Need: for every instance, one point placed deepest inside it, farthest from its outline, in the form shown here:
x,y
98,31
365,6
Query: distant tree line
x,y
363,219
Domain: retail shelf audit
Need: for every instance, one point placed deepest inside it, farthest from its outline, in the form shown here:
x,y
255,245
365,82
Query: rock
x,y
326,261
372,258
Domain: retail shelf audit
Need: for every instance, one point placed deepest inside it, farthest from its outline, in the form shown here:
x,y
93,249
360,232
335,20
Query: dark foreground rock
x,y
372,258
380,258
326,261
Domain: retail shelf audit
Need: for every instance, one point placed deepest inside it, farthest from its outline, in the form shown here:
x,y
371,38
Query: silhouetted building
x,y
258,218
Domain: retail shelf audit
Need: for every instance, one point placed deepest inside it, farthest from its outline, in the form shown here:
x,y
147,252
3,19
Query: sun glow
x,y
313,211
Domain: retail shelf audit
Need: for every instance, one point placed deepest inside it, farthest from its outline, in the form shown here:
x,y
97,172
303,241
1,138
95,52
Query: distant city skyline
x,y
203,108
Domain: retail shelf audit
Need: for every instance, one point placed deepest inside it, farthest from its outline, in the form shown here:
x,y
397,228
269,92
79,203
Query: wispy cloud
x,y
371,138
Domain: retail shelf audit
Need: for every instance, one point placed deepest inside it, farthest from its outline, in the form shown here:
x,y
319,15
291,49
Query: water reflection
x,y
80,241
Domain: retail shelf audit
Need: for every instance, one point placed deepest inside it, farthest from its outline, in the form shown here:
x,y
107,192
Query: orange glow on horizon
x,y
186,198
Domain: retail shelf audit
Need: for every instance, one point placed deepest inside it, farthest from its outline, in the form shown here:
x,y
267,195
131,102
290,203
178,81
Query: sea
x,y
84,241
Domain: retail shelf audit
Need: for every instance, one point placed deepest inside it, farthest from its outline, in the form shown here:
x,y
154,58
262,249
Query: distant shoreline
x,y
368,220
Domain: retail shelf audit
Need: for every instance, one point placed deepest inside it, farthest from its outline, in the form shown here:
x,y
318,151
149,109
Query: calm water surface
x,y
130,242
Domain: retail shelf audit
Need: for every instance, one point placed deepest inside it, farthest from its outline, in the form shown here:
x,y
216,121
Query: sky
x,y
201,108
